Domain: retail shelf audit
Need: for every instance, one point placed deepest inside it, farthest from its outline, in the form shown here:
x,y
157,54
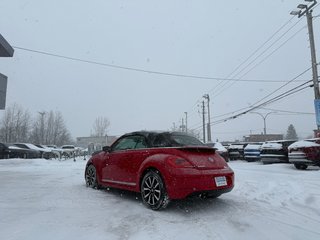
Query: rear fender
x,y
157,162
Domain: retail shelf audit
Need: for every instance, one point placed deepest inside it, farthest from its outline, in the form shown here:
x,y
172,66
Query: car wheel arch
x,y
148,169
154,188
97,171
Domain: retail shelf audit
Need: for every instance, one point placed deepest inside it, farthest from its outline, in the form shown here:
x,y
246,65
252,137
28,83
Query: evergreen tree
x,y
291,133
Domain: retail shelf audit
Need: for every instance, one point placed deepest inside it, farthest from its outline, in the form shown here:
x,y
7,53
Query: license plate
x,y
220,181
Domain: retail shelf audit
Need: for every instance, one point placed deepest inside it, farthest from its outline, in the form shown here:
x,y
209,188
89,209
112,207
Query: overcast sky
x,y
200,38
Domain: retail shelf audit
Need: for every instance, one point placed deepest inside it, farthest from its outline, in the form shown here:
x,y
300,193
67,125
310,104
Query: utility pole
x,y
307,10
182,125
206,96
186,121
174,126
203,123
42,127
313,55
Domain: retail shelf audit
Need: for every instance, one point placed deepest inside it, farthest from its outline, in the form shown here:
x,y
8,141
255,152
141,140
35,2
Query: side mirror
x,y
106,149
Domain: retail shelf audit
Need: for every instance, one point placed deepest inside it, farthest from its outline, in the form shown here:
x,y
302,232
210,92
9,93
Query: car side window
x,y
140,142
131,142
161,141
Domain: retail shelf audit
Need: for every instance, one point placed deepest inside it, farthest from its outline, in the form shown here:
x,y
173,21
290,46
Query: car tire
x,y
91,177
153,191
301,166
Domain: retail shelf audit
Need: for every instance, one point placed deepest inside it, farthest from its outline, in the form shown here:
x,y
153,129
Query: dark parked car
x,y
161,166
220,149
46,152
32,152
236,151
305,153
11,151
275,151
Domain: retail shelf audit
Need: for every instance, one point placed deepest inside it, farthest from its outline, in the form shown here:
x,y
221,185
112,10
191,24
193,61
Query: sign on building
x,y
317,109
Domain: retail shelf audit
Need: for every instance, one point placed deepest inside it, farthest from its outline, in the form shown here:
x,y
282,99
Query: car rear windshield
x,y
175,140
184,140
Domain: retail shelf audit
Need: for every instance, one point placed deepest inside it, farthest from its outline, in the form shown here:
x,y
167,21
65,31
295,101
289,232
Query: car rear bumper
x,y
195,181
252,158
304,161
273,158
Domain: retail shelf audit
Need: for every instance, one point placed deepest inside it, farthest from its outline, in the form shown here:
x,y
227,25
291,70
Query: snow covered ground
x,y
48,199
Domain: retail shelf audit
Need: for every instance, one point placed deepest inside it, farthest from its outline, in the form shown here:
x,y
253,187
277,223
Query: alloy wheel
x,y
153,191
91,177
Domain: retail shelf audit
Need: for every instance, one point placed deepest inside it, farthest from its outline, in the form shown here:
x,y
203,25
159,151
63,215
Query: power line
x,y
274,99
257,64
258,49
145,70
285,111
277,98
283,86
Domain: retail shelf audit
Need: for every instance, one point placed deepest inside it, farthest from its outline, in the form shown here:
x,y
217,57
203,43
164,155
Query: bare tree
x,y
49,128
100,126
15,124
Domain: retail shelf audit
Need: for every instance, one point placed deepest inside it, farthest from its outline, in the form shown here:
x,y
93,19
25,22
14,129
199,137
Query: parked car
x,y
12,151
68,151
236,151
57,151
220,149
33,152
252,152
275,151
305,153
161,166
46,152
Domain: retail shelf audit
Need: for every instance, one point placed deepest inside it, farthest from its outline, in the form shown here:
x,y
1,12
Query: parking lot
x,y
48,199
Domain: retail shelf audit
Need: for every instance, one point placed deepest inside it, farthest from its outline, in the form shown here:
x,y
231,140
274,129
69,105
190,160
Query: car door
x,y
124,160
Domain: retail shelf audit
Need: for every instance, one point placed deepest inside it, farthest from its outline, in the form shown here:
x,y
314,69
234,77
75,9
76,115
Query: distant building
x,y
262,137
95,143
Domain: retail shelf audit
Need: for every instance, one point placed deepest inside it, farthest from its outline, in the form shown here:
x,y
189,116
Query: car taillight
x,y
179,163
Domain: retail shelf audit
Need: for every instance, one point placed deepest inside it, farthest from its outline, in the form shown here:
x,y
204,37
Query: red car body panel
x,y
185,170
308,155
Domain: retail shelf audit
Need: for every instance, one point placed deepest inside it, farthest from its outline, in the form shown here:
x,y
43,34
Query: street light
x,y
304,8
264,117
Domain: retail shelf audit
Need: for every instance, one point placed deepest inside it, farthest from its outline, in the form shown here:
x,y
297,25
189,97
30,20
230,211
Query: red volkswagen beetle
x,y
161,166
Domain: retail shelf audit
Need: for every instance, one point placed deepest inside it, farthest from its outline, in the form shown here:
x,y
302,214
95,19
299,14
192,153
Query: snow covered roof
x,y
236,146
14,147
219,147
303,143
271,145
34,147
253,146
